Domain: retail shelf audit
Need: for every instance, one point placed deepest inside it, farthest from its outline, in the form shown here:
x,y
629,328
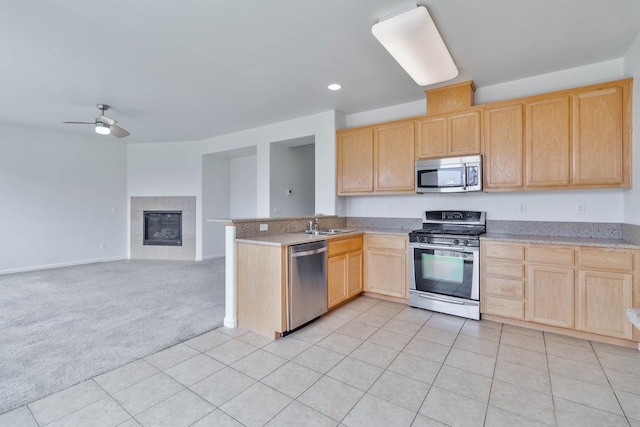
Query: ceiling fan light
x,y
102,129
413,40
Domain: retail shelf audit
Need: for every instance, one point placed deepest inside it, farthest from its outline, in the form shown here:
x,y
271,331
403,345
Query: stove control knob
x,y
456,242
425,239
466,242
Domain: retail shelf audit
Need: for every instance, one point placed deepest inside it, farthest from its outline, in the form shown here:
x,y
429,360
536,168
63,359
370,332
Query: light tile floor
x,y
367,363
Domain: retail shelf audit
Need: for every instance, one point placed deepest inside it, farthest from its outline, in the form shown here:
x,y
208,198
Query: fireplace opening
x,y
163,228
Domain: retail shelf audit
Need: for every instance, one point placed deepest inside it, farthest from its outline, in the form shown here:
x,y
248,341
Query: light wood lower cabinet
x,y
585,289
551,295
385,265
502,287
344,270
262,288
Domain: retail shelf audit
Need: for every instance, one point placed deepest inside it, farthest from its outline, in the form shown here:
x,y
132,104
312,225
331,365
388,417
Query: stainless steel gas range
x,y
445,263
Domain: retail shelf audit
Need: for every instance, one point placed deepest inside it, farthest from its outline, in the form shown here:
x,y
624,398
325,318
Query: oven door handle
x,y
441,299
445,248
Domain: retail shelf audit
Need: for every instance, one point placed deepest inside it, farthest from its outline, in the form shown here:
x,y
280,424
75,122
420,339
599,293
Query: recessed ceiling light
x,y
334,86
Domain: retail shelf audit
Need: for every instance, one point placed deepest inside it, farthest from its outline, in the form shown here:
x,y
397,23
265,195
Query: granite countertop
x,y
562,240
298,238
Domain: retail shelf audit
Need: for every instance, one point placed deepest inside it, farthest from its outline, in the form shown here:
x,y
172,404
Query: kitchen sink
x,y
326,232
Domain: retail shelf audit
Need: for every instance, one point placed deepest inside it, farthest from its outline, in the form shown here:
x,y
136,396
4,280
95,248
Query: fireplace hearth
x,y
162,228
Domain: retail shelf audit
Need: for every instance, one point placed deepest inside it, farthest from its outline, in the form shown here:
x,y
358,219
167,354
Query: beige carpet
x,y
62,326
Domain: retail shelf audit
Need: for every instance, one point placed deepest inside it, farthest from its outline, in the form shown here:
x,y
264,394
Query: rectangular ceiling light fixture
x,y
413,40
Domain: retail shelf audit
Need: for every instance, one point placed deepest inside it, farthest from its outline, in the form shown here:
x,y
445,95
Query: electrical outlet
x,y
389,207
523,208
365,207
264,227
114,209
103,246
581,209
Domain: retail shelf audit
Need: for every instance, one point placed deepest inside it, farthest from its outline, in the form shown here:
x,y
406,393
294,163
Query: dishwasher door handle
x,y
306,253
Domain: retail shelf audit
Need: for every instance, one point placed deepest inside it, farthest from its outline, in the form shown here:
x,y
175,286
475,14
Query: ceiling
x,y
191,69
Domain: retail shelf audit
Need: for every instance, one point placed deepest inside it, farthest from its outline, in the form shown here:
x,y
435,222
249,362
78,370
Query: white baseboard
x,y
217,256
62,264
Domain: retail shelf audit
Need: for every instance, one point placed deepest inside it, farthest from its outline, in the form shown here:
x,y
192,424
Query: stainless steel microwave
x,y
449,175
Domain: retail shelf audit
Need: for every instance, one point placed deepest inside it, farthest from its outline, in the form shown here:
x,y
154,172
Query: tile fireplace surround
x,y
186,204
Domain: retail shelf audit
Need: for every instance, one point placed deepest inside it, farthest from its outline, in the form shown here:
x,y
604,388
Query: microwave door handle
x,y
464,176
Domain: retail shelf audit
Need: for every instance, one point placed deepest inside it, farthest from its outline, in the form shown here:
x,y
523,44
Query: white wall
x,y
632,196
243,183
292,168
167,169
322,126
601,205
215,204
61,196
175,169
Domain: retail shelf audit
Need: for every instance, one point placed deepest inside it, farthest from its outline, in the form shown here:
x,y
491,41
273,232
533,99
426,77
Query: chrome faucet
x,y
313,224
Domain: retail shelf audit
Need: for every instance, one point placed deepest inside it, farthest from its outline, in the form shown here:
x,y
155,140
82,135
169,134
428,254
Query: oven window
x,y
439,178
443,272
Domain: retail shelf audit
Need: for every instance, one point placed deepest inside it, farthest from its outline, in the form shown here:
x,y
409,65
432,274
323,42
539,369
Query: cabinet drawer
x,y
551,256
504,252
393,243
607,260
503,307
504,287
336,247
504,269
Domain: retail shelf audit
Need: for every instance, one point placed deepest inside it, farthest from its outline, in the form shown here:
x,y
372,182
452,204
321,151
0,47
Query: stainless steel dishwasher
x,y
307,282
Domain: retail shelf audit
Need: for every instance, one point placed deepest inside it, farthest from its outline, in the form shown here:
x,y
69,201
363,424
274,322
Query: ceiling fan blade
x,y
106,120
80,123
118,132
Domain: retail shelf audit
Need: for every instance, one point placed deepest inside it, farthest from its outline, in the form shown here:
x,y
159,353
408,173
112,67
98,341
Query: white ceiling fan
x,y
104,125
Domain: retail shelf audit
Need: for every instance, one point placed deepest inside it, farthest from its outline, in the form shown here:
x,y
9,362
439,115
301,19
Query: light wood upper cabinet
x,y
548,144
598,137
431,137
376,159
394,157
503,147
464,133
354,149
571,139
448,135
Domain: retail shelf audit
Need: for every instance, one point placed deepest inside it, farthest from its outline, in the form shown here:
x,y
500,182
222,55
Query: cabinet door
x,y
386,273
355,161
548,146
551,295
464,133
337,279
503,147
354,273
598,137
603,299
394,157
431,140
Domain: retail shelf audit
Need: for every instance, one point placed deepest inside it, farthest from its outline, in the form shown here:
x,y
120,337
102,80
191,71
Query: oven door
x,y
440,270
